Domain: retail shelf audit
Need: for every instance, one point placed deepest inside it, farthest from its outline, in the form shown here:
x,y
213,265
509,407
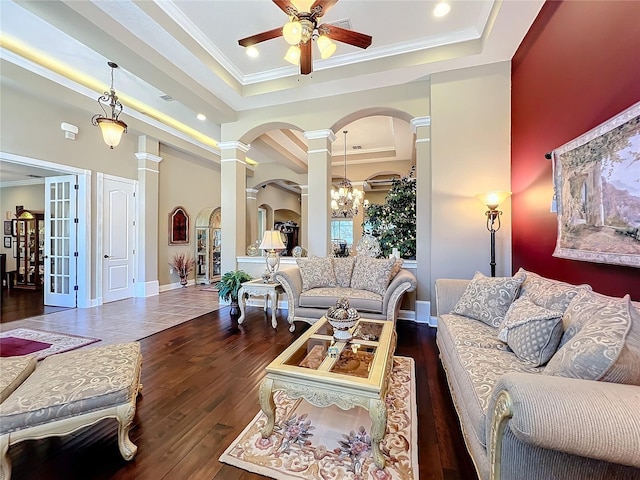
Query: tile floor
x,y
127,320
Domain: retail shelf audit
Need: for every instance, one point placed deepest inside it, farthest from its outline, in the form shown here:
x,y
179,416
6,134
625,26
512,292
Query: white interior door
x,y
60,241
118,239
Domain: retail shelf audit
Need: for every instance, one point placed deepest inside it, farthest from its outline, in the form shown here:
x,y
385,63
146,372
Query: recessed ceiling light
x,y
201,117
441,9
252,51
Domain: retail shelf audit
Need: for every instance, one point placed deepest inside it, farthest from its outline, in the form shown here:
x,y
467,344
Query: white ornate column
x,y
252,216
319,183
233,170
421,127
146,275
358,218
303,240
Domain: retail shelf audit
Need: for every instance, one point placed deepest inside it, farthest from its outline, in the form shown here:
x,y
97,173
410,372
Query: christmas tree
x,y
394,223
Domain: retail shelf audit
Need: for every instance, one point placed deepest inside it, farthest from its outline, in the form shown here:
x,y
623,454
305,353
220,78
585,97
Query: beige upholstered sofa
x,y
373,286
66,392
559,398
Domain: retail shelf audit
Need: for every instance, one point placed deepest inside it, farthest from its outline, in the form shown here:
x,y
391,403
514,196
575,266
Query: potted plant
x,y
183,264
229,285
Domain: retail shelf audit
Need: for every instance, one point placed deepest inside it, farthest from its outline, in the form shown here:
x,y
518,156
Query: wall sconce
x,y
271,241
492,200
112,128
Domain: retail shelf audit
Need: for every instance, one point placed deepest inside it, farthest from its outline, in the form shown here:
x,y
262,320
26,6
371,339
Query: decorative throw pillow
x,y
396,268
532,332
316,272
342,268
372,274
548,293
607,347
488,298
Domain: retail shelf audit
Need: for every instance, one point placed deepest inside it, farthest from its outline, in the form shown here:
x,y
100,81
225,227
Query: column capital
x,y
419,122
234,145
148,156
251,193
316,134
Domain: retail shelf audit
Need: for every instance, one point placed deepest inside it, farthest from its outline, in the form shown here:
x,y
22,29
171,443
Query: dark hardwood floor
x,y
201,389
19,303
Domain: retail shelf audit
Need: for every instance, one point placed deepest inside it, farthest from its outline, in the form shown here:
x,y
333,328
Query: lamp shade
x,y
292,32
272,241
326,46
493,199
112,130
293,55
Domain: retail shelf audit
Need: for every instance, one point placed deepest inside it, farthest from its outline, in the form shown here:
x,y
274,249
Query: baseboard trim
x,y
146,289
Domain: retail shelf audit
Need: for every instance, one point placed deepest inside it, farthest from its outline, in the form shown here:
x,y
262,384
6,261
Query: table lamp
x,y
272,241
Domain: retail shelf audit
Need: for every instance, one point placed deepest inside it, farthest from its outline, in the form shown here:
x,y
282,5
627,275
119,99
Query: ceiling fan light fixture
x,y
293,55
292,32
326,46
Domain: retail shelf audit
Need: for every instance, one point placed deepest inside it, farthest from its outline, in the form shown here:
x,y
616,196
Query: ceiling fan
x,y
303,28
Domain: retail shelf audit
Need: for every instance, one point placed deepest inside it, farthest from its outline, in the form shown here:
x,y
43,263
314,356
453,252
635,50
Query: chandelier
x,y
112,128
346,199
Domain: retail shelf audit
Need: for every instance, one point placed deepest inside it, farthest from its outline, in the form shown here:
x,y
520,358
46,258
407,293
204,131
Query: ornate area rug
x,y
323,443
23,341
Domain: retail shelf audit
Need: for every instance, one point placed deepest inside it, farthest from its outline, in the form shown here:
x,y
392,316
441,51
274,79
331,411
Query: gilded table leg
x,y
378,414
241,303
267,405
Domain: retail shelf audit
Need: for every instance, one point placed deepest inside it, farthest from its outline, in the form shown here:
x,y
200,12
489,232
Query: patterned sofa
x,y
66,392
544,376
374,286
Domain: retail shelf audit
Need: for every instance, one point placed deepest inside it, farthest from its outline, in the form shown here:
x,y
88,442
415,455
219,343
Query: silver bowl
x,y
341,327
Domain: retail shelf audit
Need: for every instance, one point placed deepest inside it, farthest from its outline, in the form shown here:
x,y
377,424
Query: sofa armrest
x,y
404,281
598,420
291,281
448,291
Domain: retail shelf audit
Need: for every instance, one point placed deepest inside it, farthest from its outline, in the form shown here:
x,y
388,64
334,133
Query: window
x,y
342,229
262,223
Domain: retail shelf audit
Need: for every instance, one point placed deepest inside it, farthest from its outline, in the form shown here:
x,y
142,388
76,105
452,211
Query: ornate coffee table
x,y
357,375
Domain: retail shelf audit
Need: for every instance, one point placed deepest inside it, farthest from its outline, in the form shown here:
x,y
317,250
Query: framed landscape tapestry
x,y
597,183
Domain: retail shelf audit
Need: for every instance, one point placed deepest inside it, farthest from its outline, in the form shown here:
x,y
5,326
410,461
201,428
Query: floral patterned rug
x,y
322,443
49,342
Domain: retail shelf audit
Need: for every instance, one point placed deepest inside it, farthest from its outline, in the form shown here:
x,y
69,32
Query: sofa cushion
x,y
476,371
604,343
458,330
13,371
316,272
361,300
72,383
548,293
342,269
532,332
372,274
488,298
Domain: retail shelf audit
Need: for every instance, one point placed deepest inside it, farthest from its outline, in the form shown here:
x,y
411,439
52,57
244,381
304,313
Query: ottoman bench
x,y
66,392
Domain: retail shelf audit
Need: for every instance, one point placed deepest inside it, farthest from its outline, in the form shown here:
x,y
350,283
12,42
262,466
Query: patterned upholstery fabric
x,y
67,384
606,347
548,293
13,371
476,371
361,300
342,268
372,274
488,298
316,272
532,332
464,331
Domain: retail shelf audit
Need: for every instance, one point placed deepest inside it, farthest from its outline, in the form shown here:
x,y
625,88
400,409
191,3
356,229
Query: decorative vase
x,y
183,281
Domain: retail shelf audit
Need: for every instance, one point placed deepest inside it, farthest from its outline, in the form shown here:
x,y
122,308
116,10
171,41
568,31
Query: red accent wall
x,y
578,66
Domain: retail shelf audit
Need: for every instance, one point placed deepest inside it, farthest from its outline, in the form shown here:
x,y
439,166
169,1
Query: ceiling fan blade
x,y
306,66
325,5
261,37
346,36
286,6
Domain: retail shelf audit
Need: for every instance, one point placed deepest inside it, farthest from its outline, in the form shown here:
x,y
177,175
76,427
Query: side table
x,y
260,289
